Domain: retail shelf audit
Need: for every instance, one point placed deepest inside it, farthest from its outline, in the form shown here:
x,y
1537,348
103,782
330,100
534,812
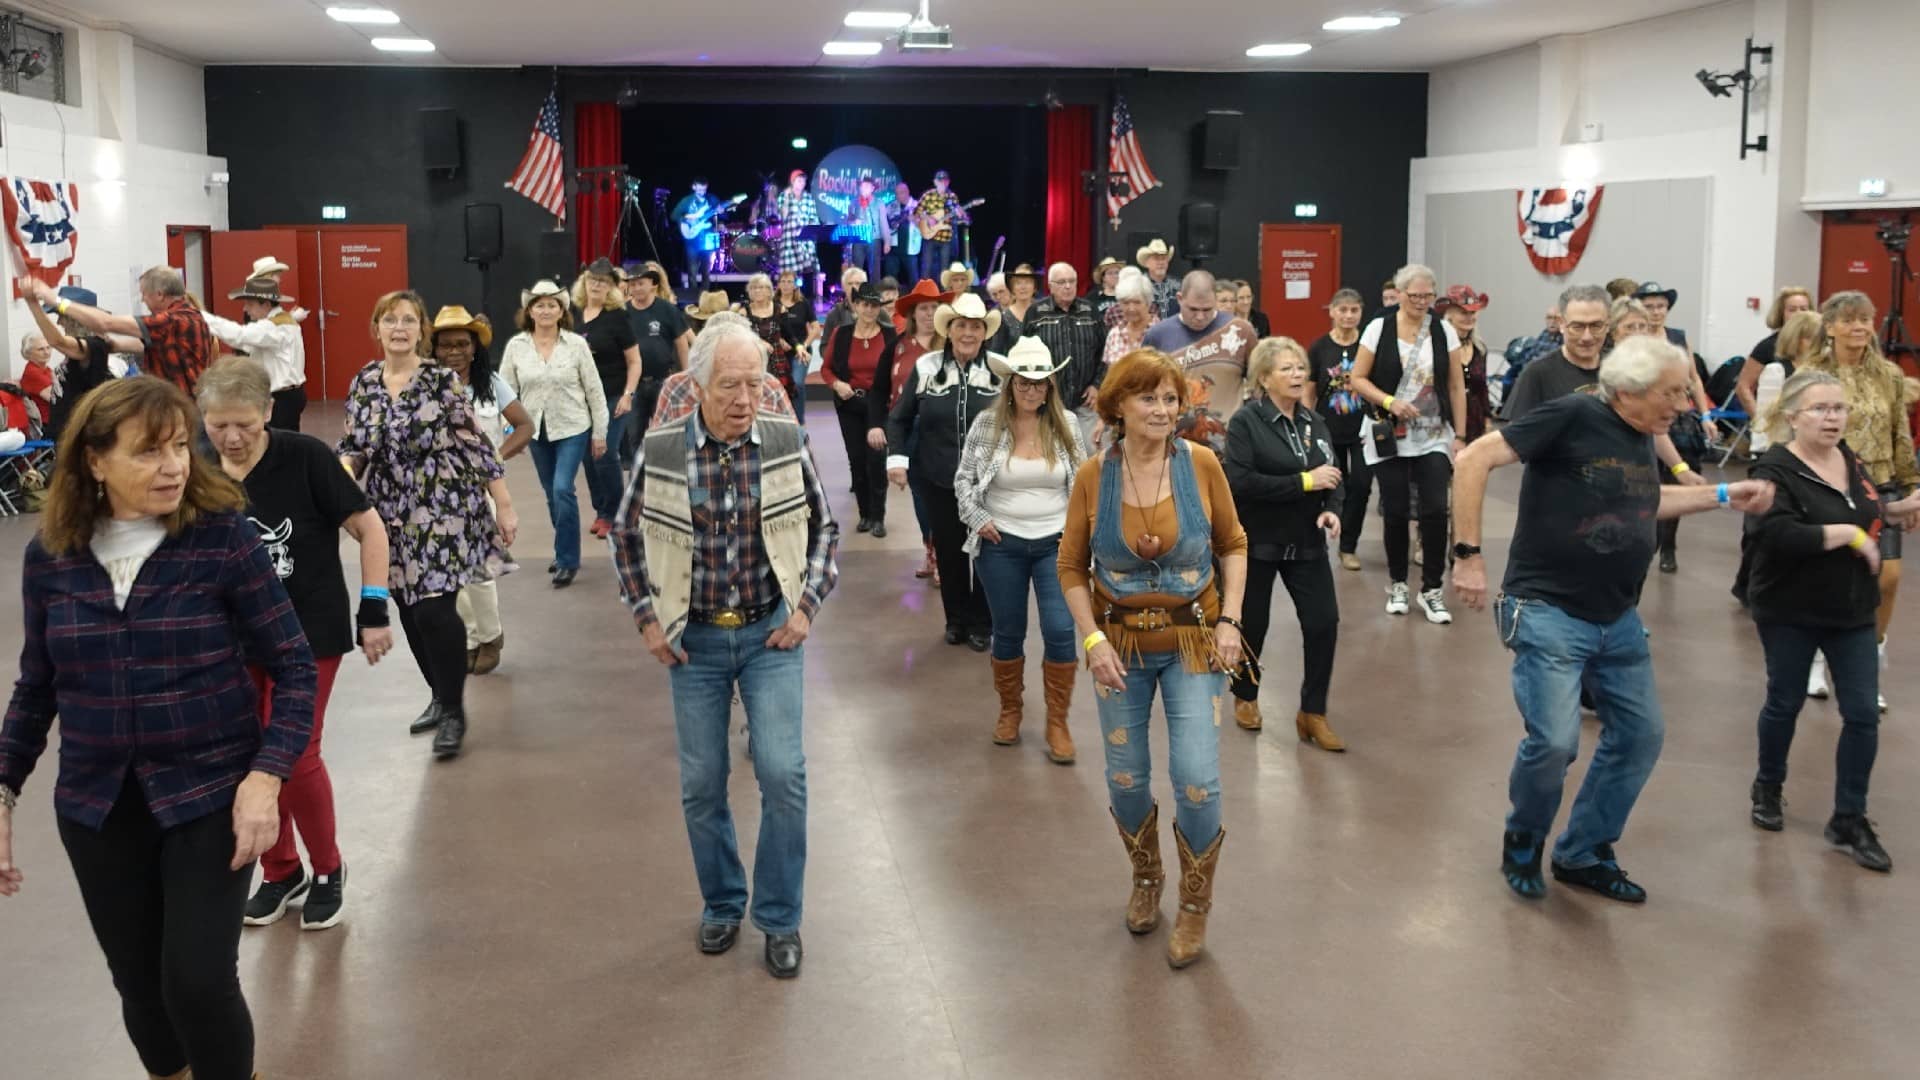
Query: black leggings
x,y
868,466
1310,583
961,594
1433,475
438,638
1356,488
166,911
288,404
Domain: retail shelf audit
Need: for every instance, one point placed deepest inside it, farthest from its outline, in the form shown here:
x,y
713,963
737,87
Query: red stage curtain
x,y
1069,209
596,143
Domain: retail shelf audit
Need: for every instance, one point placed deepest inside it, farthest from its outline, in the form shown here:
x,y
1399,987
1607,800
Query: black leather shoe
x,y
783,955
564,576
979,642
956,635
1669,562
453,732
716,938
864,526
878,530
428,719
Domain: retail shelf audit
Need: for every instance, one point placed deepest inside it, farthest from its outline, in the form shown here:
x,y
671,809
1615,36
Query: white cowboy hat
x,y
1029,358
960,268
540,291
267,264
1157,247
965,306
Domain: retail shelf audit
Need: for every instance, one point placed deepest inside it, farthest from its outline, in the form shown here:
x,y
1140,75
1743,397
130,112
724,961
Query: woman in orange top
x,y
1147,523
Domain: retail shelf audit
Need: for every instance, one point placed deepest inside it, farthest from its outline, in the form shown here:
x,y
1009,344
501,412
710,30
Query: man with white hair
x,y
725,550
1582,543
1074,334
1213,346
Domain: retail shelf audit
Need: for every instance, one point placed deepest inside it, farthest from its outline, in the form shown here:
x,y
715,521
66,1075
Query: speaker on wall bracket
x,y
1220,139
1199,231
485,237
440,140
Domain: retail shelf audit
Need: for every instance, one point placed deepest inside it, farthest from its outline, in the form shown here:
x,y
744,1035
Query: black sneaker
x,y
1853,834
1767,807
1520,859
326,902
1604,877
271,900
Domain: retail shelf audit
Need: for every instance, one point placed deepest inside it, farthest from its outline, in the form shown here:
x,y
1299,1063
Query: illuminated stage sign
x,y
836,182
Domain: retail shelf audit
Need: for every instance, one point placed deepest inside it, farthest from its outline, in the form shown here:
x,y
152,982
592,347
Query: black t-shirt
x,y
655,328
298,496
609,335
78,378
1334,398
1549,378
1588,500
1766,352
794,321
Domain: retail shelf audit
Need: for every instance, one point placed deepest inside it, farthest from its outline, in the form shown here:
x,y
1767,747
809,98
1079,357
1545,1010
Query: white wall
x,y
1464,118
1866,96
172,102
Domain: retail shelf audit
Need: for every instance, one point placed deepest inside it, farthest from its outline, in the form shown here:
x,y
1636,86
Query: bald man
x,y
1213,347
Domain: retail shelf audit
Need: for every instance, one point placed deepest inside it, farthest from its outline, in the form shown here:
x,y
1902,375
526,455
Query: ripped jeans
x,y
1193,745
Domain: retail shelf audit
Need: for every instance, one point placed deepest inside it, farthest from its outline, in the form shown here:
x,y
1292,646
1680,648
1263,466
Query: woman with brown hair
x,y
1153,563
146,595
413,443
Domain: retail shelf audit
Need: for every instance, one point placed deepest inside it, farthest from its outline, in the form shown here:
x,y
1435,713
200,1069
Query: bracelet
x,y
1387,402
1721,496
1306,481
1098,637
1233,622
374,592
9,798
1860,538
1679,468
60,308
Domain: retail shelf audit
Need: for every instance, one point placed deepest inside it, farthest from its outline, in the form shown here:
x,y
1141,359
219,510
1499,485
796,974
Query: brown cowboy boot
x,y
487,659
1149,876
1189,938
1059,684
1247,715
1312,727
1010,679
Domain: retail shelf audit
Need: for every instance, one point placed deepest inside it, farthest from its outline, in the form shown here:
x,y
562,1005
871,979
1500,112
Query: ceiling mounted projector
x,y
922,34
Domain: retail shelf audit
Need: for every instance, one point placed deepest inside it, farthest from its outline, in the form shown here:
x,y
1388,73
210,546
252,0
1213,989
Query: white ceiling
x,y
1181,34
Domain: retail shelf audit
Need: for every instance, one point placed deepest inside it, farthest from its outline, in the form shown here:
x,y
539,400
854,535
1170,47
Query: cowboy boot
x,y
1149,876
1189,938
928,568
1247,715
1312,727
488,658
1059,683
1009,678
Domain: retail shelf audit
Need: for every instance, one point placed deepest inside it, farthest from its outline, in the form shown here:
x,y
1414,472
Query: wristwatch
x,y
1465,551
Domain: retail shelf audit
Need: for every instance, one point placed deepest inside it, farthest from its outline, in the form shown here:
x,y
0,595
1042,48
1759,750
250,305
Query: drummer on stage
x,y
795,210
693,216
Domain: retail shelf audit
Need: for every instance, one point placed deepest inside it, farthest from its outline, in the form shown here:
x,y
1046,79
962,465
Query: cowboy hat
x,y
864,293
1463,297
267,264
965,306
1024,270
960,268
1029,358
77,295
260,288
1101,266
455,317
924,292
1157,247
540,291
1654,288
712,302
603,267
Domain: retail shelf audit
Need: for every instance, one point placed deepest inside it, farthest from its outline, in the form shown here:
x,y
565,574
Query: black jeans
x,y
1309,582
961,594
900,266
438,637
645,397
288,404
1433,475
867,466
166,911
1853,656
699,263
1356,488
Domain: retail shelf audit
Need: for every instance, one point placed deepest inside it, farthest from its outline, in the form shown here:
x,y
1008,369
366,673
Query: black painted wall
x,y
298,138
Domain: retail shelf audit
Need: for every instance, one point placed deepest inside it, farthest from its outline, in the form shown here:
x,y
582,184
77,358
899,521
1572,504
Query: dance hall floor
x,y
529,909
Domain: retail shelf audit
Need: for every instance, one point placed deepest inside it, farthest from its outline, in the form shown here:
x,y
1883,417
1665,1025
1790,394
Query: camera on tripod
x,y
1894,234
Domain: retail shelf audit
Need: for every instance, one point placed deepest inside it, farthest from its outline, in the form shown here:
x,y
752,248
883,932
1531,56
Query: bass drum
x,y
750,254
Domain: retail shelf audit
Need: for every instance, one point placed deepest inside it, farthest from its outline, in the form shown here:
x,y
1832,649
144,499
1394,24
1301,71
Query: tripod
x,y
630,211
1893,333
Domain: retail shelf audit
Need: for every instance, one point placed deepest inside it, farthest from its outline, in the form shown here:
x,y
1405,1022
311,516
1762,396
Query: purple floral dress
x,y
426,465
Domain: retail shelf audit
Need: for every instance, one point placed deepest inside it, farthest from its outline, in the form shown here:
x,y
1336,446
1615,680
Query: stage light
x,y
1260,52
800,142
363,16
850,48
403,44
1361,22
878,20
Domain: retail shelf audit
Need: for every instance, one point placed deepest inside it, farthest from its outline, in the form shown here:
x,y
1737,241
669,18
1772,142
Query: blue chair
x,y
14,466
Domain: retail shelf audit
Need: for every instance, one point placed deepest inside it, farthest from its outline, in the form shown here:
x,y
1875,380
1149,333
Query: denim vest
x,y
1186,570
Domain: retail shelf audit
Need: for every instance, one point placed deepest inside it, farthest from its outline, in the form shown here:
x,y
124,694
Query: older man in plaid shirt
x,y
725,551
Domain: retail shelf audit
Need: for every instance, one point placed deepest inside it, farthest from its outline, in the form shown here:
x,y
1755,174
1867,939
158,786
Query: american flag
x,y
1126,161
542,172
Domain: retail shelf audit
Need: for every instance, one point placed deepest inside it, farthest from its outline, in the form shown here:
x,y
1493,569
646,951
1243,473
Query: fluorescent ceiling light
x,y
1288,49
367,16
403,44
1362,22
878,20
850,48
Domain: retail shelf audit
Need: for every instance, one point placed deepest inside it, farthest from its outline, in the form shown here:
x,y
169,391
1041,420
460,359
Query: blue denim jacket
x,y
1186,570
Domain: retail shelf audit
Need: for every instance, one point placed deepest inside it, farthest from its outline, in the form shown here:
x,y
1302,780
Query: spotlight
x,y
629,96
1721,84
27,63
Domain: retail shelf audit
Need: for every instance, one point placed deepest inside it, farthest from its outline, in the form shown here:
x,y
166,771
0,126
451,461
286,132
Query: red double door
x,y
1299,273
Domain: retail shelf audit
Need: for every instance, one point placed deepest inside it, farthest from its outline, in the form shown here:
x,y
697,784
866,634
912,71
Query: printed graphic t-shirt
x,y
298,496
1215,360
1334,397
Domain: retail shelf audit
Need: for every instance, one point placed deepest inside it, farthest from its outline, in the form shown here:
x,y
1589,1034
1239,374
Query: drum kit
x,y
743,247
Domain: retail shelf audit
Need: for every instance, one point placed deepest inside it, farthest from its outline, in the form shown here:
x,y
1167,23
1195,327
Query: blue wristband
x,y
1720,495
375,592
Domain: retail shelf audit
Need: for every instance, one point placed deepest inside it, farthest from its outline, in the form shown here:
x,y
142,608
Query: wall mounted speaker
x,y
558,258
1220,140
440,139
485,241
1199,230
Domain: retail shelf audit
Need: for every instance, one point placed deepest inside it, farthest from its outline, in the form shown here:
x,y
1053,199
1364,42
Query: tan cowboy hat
x,y
260,288
960,268
1029,358
965,306
540,291
267,264
711,303
1157,247
924,292
455,317
1101,267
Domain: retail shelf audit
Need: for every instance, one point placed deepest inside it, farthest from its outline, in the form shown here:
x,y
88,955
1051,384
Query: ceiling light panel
x,y
1362,22
878,20
851,48
363,16
403,44
1261,52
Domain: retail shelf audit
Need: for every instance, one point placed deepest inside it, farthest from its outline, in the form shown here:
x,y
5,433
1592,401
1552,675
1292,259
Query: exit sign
x,y
333,213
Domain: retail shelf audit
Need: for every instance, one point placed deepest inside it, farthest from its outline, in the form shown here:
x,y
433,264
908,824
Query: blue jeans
x,y
935,256
1193,745
1854,658
771,686
606,477
1009,570
558,462
1553,654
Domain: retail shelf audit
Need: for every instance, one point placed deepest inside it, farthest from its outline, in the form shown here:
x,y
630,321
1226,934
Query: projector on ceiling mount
x,y
922,34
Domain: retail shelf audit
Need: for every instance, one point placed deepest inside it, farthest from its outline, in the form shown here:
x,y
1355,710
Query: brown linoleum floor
x,y
529,910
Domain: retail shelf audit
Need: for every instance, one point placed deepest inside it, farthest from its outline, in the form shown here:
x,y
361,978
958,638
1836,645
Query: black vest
x,y
1387,369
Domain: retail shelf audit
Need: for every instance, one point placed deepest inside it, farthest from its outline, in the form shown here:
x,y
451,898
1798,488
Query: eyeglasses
x,y
395,321
1827,408
1419,297
1581,329
1031,386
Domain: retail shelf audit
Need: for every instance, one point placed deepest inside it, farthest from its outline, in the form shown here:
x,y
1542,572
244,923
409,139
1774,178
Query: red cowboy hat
x,y
924,292
1464,297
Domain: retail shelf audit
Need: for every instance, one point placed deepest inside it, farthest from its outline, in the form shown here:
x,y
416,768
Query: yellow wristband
x,y
1387,402
1679,467
1860,538
1306,481
60,308
1098,637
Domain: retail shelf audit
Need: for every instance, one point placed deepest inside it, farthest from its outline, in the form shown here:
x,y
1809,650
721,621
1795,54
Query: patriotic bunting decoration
x,y
1555,225
42,226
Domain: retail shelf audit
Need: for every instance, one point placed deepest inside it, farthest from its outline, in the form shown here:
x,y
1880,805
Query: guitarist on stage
x,y
939,211
694,215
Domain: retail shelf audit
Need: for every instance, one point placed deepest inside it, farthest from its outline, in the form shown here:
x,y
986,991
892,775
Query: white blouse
x,y
123,547
562,394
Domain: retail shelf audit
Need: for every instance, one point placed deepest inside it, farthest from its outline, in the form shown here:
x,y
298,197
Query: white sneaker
x,y
1817,688
1433,604
1397,598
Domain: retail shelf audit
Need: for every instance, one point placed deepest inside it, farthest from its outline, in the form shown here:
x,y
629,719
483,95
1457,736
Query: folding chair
x,y
14,466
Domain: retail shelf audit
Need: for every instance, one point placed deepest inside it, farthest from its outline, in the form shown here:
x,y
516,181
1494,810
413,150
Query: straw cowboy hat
x,y
1157,247
924,292
455,317
960,268
1104,264
711,303
267,264
1029,358
260,288
965,306
540,291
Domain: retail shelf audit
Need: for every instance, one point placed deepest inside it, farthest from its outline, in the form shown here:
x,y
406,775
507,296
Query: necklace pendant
x,y
1148,546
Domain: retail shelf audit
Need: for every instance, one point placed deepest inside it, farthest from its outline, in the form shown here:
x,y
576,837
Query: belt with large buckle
x,y
1154,619
733,618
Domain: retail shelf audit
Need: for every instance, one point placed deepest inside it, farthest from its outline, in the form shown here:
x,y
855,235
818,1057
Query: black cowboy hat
x,y
1654,288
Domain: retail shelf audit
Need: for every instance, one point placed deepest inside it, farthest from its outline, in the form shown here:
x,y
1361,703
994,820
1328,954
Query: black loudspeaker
x,y
1220,140
1199,230
558,259
440,139
484,240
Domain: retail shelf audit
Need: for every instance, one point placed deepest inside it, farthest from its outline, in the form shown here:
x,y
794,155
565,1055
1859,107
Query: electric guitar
x,y
936,227
696,224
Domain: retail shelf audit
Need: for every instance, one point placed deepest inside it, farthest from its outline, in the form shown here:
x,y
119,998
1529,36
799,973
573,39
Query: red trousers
x,y
306,799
